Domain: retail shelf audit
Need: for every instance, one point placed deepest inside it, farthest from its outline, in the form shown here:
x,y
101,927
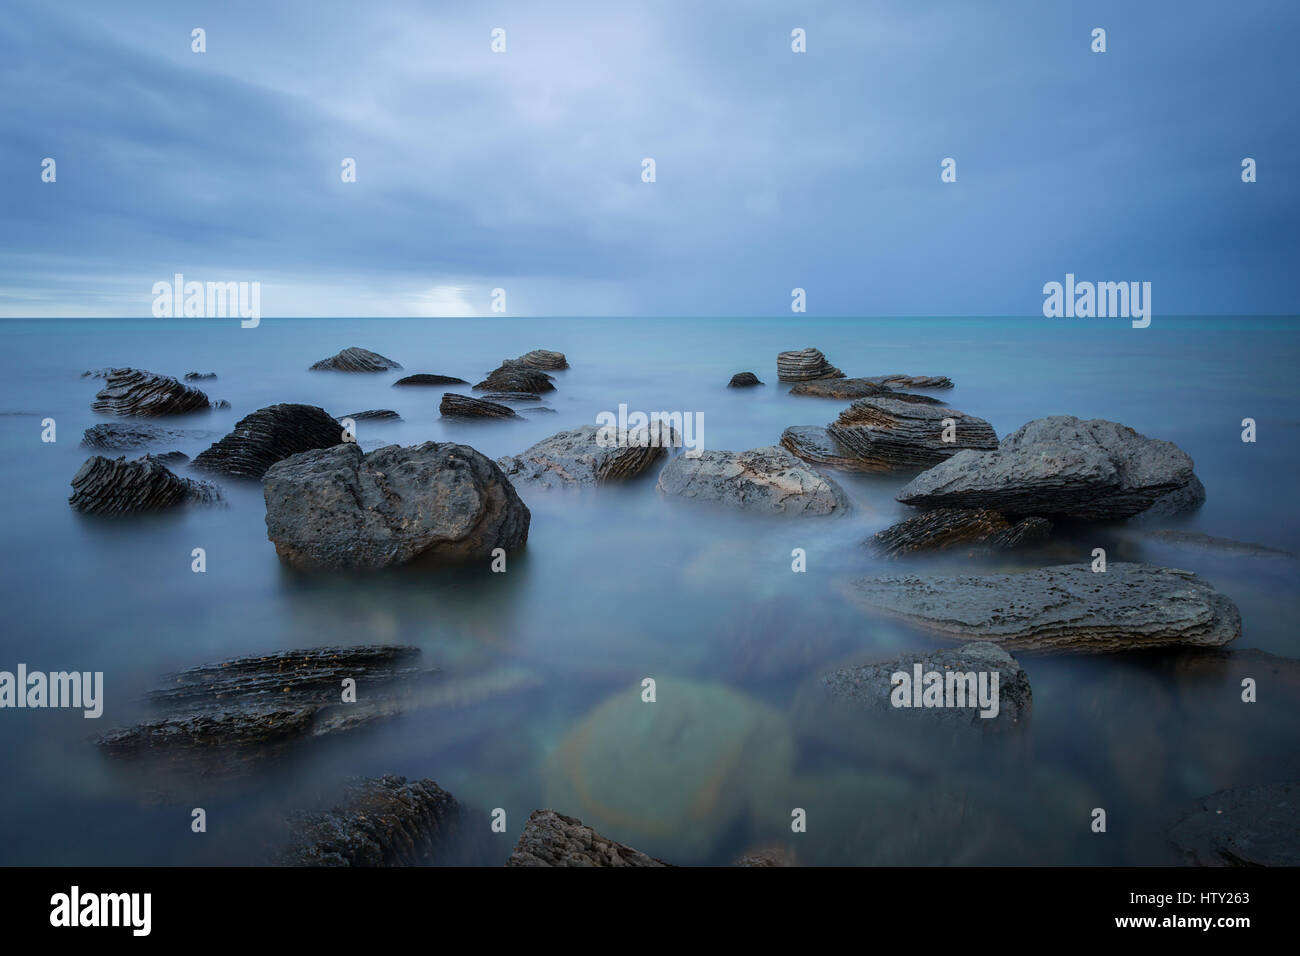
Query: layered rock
x,y
804,365
511,397
129,391
125,436
199,376
1250,826
355,360
542,359
424,378
339,508
374,415
107,486
891,433
946,528
1061,466
1062,608
463,406
770,480
552,839
813,443
578,458
849,388
269,435
912,381
743,380
516,378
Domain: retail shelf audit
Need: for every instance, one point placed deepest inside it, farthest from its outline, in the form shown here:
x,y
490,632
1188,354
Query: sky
x,y
523,170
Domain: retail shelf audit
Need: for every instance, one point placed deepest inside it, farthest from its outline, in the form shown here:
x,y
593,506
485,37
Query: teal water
x,y
620,584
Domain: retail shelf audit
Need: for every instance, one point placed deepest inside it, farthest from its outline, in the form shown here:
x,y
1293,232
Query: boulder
x,y
889,433
946,528
423,378
463,406
374,415
813,443
543,359
107,486
804,365
743,380
849,388
769,480
129,391
1250,826
1067,608
269,435
516,378
576,458
355,360
552,839
124,435
1060,466
339,508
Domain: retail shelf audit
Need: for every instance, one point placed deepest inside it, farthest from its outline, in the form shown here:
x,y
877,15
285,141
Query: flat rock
x,y
743,380
946,528
463,406
576,458
1066,608
106,486
1059,466
374,415
339,508
199,376
770,480
890,433
552,839
1205,542
912,381
129,391
804,365
269,435
516,378
542,359
848,388
813,443
356,360
130,435
424,378
1250,826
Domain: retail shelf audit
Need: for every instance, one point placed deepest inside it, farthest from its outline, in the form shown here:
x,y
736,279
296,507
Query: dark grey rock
x,y
511,397
813,443
912,381
516,378
576,458
269,435
1250,826
427,379
890,433
542,359
552,839
199,376
743,380
804,365
106,486
767,480
1204,542
129,391
947,528
374,415
849,388
130,435
356,360
463,406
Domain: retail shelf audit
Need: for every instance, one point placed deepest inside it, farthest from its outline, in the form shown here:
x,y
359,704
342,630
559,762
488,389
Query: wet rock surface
x,y
743,380
129,435
269,435
129,391
340,508
355,360
804,365
424,378
511,397
912,381
576,458
849,388
463,406
552,839
516,378
543,359
1249,826
890,433
814,444
769,480
948,528
107,486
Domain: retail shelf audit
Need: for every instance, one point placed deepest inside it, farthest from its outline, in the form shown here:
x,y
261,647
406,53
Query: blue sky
x,y
522,170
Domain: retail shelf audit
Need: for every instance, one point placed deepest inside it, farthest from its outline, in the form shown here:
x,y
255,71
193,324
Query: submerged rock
x,y
1205,542
129,391
339,508
813,443
843,388
804,365
124,435
511,397
463,406
1059,466
767,857
575,457
108,486
543,359
552,839
1250,826
912,381
890,433
356,360
269,435
199,376
762,479
743,380
1066,608
516,378
374,415
427,379
946,528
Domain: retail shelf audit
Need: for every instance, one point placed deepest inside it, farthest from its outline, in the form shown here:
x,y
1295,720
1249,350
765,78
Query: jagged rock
x,y
129,391
516,378
814,443
116,486
889,433
463,406
199,376
804,365
1058,466
427,379
384,821
123,435
375,415
552,839
743,380
1062,608
356,360
912,381
1250,826
848,388
543,359
338,508
946,528
511,397
269,435
762,479
575,457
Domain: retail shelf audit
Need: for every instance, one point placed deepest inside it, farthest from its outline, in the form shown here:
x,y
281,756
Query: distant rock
x,y
743,380
912,381
125,436
1205,542
1066,608
516,378
813,443
269,435
1250,826
575,458
424,378
767,479
106,486
1058,466
544,409
339,508
947,528
199,376
804,366
221,403
356,360
374,415
552,839
463,406
767,858
543,359
889,433
129,391
849,388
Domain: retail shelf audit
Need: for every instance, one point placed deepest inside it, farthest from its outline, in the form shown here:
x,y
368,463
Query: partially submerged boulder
x,y
129,391
106,486
543,359
947,528
848,388
891,433
552,839
516,378
463,406
339,508
355,360
424,378
813,443
912,381
129,435
269,435
374,415
199,376
743,380
511,397
1249,826
767,479
804,365
1068,608
577,458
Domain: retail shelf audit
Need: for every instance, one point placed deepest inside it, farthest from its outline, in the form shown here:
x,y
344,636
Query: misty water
x,y
539,664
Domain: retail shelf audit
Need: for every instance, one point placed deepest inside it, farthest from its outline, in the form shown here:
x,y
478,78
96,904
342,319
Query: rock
x,y
129,391
552,839
890,433
426,379
123,435
846,388
384,821
813,443
463,406
338,508
767,857
541,408
539,359
767,479
517,378
572,458
743,380
912,381
221,403
946,528
173,458
1059,466
511,397
804,366
1182,500
96,373
1063,608
107,486
374,415
269,435
199,376
1251,826
355,360
1205,542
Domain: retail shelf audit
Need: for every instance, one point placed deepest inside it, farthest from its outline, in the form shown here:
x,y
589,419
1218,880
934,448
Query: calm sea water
x,y
539,664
